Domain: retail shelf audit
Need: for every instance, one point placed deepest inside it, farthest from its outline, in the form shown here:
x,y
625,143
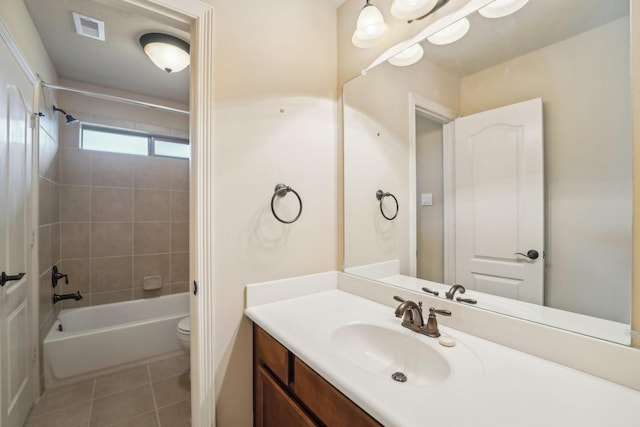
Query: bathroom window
x,y
113,140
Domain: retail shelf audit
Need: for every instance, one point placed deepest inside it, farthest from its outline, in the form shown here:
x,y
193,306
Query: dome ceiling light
x,y
409,56
450,34
370,27
500,8
169,53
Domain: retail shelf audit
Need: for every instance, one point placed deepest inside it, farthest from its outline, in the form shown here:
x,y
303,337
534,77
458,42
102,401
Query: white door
x,y
17,368
500,201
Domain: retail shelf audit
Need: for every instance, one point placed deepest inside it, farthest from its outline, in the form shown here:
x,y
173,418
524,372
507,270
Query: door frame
x,y
33,266
419,105
200,16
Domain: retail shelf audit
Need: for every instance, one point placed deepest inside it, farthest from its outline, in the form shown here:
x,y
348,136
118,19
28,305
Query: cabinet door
x,y
273,407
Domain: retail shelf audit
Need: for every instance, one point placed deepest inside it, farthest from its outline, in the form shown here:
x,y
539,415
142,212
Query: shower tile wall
x,y
48,225
122,218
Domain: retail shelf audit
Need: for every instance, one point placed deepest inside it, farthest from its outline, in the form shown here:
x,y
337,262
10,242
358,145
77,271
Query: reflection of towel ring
x,y
281,190
380,195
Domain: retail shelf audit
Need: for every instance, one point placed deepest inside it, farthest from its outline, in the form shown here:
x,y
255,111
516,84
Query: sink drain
x,y
399,376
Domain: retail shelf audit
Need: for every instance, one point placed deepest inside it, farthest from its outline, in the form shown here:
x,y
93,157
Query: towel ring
x,y
380,195
281,190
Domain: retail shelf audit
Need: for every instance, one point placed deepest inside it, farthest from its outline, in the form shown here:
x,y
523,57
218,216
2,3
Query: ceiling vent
x,y
88,27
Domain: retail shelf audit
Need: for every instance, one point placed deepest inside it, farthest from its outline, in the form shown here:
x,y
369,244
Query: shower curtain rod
x,y
116,98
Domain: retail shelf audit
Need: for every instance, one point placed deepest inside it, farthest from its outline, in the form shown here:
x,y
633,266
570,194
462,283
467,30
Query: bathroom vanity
x,y
325,353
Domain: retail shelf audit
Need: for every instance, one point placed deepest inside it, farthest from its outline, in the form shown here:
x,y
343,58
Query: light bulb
x,y
407,10
450,34
370,27
409,56
500,8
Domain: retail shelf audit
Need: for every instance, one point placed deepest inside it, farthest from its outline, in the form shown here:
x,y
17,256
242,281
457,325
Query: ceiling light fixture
x,y
450,34
370,27
407,10
409,56
169,53
500,8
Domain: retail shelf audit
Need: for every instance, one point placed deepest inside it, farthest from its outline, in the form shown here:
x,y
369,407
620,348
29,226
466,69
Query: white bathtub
x,y
101,339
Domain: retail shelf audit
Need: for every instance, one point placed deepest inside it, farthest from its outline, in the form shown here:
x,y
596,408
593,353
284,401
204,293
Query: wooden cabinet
x,y
290,393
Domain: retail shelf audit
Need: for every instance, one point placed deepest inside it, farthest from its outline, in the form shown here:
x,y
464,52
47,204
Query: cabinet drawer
x,y
325,401
271,353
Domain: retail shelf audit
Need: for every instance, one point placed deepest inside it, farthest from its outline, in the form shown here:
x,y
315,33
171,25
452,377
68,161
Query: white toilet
x,y
184,333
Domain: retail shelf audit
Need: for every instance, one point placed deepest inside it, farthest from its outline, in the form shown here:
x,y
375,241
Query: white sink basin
x,y
383,351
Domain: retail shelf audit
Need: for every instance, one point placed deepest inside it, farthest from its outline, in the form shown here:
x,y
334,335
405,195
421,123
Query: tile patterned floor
x,y
154,395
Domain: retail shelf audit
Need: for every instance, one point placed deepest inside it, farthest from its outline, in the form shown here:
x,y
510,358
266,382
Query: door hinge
x,y
195,288
35,355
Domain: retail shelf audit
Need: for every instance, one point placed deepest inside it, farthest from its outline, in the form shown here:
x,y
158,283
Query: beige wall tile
x,y
152,237
55,243
111,239
99,298
179,206
152,173
70,135
111,274
44,300
75,240
151,265
177,288
75,203
44,195
139,293
179,236
75,167
44,248
152,205
112,170
180,175
54,202
78,271
179,267
111,204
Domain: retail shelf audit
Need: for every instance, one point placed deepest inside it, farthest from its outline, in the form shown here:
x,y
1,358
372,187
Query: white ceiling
x,y
118,62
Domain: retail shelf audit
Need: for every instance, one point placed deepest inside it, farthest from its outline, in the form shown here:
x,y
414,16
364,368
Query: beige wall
x,y
429,219
587,161
376,152
275,89
635,84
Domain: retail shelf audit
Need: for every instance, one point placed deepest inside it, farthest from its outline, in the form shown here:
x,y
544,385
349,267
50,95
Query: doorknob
x,y
4,278
531,254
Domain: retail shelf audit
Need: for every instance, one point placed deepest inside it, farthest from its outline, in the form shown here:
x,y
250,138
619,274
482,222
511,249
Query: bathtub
x,y
105,338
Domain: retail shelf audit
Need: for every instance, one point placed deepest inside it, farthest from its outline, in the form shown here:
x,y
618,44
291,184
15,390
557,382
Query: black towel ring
x,y
380,195
281,190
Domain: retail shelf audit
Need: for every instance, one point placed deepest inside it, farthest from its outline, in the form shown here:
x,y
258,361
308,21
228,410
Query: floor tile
x,y
172,390
73,416
121,406
63,397
121,381
176,415
169,368
150,419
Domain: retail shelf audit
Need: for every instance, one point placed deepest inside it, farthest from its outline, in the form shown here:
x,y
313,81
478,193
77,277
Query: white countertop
x,y
510,388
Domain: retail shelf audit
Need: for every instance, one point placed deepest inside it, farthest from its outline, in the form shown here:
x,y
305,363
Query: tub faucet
x,y
410,312
452,292
56,275
76,296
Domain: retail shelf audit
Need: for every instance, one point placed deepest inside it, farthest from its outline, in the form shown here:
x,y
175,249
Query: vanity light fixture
x,y
500,8
409,56
450,34
169,53
370,27
407,10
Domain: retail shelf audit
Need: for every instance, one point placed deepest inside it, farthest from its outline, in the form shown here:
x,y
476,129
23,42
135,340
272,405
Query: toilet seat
x,y
184,326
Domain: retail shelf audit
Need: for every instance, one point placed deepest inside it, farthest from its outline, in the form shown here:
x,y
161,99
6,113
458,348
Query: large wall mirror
x,y
515,138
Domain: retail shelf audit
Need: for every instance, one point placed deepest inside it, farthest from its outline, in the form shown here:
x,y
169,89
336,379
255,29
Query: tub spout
x,y
76,296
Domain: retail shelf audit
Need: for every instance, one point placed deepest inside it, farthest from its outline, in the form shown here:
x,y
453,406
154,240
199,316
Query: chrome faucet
x,y
452,292
410,312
